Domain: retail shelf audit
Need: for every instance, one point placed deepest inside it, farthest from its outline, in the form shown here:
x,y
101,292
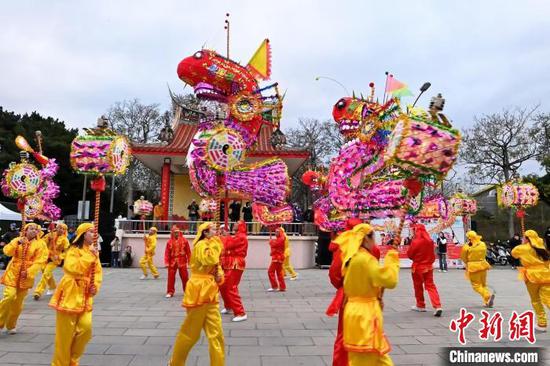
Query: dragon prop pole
x,y
98,185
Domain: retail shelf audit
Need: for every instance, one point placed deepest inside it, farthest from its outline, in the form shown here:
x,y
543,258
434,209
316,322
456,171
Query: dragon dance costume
x,y
29,254
176,257
57,243
364,279
147,259
275,271
473,255
340,355
73,300
535,273
422,254
201,300
287,265
233,262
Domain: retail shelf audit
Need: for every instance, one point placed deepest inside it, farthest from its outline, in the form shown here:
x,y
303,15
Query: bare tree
x,y
498,144
543,124
322,140
141,123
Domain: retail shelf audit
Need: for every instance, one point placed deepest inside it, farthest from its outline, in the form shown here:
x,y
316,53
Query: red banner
x,y
165,189
453,256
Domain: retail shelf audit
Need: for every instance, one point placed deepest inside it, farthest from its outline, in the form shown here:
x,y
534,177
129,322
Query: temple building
x,y
168,160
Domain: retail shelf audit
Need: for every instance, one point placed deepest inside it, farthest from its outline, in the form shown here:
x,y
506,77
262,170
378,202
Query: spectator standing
x,y
247,215
71,234
115,250
193,209
158,214
512,243
235,211
442,251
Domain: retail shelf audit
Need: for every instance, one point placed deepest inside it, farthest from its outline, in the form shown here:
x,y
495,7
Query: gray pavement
x,y
135,325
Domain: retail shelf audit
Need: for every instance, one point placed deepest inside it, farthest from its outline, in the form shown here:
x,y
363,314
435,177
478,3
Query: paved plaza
x,y
135,325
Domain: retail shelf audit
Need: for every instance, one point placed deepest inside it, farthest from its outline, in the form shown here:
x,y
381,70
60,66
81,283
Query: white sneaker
x,y
272,289
540,329
438,270
445,271
168,296
416,308
12,331
294,278
49,292
224,311
438,312
143,277
240,318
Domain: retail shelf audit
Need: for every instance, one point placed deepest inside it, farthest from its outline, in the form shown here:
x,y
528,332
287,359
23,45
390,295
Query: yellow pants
x,y
11,306
540,296
288,267
72,334
46,280
368,359
147,261
479,284
205,317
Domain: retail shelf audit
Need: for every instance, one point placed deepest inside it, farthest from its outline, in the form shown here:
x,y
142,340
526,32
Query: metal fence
x,y
190,227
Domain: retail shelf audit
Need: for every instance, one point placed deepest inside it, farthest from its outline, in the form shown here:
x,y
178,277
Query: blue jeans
x,y
443,261
114,259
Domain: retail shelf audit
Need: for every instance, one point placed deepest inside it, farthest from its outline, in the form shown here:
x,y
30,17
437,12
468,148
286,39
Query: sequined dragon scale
x,y
218,150
385,164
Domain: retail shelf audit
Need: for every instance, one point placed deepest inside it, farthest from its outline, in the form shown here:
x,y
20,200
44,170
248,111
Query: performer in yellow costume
x,y
364,280
147,259
73,298
535,259
201,299
473,255
287,266
29,254
57,243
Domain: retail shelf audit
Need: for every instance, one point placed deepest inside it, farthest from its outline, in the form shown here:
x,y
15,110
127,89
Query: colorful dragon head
x,y
217,78
214,76
361,118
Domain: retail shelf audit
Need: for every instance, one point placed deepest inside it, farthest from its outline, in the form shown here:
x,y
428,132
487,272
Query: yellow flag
x,y
260,63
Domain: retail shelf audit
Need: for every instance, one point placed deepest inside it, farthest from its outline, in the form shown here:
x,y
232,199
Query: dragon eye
x,y
198,54
341,104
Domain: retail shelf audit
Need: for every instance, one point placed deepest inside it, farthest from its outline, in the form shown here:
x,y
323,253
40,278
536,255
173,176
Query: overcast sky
x,y
73,59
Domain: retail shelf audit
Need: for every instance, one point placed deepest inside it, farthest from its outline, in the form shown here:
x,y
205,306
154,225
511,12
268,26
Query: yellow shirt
x,y
287,247
30,257
71,294
474,257
57,250
205,262
534,269
158,211
150,245
364,279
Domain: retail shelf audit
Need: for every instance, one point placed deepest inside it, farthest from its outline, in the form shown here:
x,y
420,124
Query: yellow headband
x,y
204,226
82,228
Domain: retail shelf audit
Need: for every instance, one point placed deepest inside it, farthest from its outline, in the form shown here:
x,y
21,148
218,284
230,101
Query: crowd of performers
x,y
216,262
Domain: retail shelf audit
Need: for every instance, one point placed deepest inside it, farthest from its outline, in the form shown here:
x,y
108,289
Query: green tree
x,y
56,144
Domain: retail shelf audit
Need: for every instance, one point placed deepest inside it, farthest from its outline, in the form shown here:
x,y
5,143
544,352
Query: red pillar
x,y
165,187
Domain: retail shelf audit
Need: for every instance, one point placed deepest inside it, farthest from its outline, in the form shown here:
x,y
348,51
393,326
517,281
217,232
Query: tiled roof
x,y
183,135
